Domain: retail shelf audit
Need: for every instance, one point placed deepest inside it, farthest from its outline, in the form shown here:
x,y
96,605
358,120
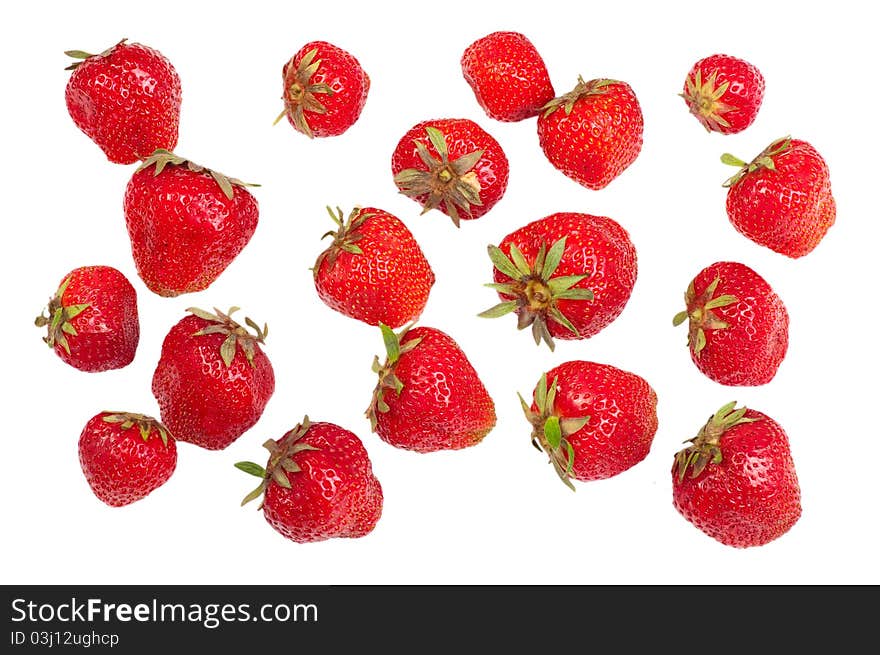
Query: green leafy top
x,y
345,237
162,158
705,448
82,55
301,94
700,313
763,161
146,425
582,89
704,99
236,335
59,319
388,380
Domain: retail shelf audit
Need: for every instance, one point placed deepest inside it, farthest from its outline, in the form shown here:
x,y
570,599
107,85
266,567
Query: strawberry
x,y
325,89
507,75
318,484
738,326
782,199
724,93
93,320
126,100
451,164
592,133
213,380
186,223
594,421
121,464
736,481
429,397
568,275
374,271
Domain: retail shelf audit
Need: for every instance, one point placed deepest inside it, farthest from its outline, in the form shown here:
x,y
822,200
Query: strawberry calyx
x,y
237,336
280,460
146,425
82,55
59,319
388,380
763,161
704,100
550,431
453,183
699,313
534,290
705,448
582,89
345,237
301,94
162,158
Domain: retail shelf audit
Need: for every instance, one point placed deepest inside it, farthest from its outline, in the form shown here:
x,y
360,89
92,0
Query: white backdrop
x,y
495,513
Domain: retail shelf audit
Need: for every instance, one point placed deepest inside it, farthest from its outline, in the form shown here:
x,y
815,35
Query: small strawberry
x,y
782,199
318,484
213,380
724,93
429,397
736,481
451,164
567,275
374,271
186,223
738,326
592,133
122,464
325,89
507,75
126,100
93,320
594,421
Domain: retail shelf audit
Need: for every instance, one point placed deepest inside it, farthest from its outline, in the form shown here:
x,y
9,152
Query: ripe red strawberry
x,y
126,100
374,271
738,326
318,484
592,133
724,93
186,223
782,199
93,320
451,164
736,481
429,397
125,456
594,421
568,275
507,75
325,89
213,380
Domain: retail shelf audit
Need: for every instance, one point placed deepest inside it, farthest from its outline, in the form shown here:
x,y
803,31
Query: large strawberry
x,y
724,93
318,484
213,379
126,100
429,397
186,223
736,481
594,132
782,199
374,271
93,320
125,456
451,164
507,75
738,326
594,421
325,89
567,275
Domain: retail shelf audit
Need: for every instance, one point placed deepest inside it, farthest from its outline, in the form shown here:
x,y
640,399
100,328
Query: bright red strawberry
x,y
374,271
318,484
724,93
125,456
782,199
594,421
213,380
507,75
736,481
429,397
93,320
738,326
186,223
594,132
567,275
325,89
451,164
126,100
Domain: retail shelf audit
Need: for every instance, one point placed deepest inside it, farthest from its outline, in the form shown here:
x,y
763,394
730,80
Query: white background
x,y
495,513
